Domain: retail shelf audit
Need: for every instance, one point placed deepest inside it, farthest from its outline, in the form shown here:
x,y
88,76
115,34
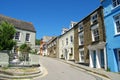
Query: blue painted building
x,y
112,25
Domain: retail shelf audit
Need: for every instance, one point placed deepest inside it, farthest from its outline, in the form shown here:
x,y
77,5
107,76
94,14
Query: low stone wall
x,y
34,59
4,58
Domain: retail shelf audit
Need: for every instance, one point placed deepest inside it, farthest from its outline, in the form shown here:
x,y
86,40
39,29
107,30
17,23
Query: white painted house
x,y
25,31
66,45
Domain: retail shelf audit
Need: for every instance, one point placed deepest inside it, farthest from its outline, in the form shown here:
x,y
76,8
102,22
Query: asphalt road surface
x,y
58,70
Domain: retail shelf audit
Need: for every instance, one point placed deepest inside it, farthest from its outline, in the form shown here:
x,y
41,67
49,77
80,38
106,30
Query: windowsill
x,y
80,46
116,8
94,42
94,23
17,40
79,31
117,34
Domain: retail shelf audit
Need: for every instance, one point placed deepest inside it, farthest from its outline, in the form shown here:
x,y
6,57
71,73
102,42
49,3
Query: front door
x,y
66,54
94,59
102,58
119,60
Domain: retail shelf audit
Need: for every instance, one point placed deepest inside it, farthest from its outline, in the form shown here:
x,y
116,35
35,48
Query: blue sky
x,y
48,16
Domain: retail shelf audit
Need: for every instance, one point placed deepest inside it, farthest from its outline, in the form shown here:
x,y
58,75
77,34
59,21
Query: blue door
x,y
119,60
102,58
94,59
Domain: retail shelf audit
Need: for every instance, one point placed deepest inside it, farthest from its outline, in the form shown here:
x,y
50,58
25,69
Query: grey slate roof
x,y
18,23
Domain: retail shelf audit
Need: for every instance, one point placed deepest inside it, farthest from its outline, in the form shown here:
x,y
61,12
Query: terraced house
x,y
112,25
90,40
66,43
25,31
52,47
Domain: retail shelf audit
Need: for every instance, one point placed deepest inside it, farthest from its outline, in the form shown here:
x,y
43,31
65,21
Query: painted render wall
x,y
62,44
112,40
23,37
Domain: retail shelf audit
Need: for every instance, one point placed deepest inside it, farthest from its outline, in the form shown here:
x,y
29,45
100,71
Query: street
x,y
57,70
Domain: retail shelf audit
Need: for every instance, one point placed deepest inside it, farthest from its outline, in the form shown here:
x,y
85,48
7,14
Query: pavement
x,y
105,74
102,73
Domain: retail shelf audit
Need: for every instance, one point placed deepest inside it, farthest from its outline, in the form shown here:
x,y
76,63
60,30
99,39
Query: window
x,y
81,38
94,18
52,44
117,23
80,28
66,41
17,36
28,37
71,38
81,56
95,33
55,42
115,2
71,50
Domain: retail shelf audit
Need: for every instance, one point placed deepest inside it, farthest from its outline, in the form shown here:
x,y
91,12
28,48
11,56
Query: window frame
x,y
71,38
81,55
18,37
66,41
26,37
80,27
94,18
81,41
93,28
115,3
115,21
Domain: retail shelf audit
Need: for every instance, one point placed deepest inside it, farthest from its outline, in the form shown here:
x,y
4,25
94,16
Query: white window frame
x,y
94,18
55,42
81,55
81,40
66,41
116,3
80,28
26,37
116,20
19,37
71,49
71,38
92,32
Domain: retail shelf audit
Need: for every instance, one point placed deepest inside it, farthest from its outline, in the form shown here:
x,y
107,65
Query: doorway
x,y
94,58
118,52
102,58
66,54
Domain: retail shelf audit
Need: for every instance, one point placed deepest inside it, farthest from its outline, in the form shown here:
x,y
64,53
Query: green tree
x,y
7,32
37,42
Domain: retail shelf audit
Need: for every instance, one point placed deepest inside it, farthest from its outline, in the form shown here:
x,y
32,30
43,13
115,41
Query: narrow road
x,y
57,70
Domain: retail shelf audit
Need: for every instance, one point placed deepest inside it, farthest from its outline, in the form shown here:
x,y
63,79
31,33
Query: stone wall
x,y
4,58
34,59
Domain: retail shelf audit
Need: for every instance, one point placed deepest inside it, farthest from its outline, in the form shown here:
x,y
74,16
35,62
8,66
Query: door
x,y
94,59
102,58
119,60
66,54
